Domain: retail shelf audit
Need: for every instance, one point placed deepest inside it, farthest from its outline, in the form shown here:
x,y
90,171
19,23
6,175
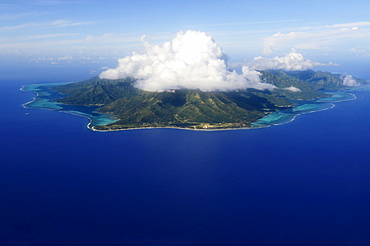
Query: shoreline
x,y
33,99
210,130
176,128
92,128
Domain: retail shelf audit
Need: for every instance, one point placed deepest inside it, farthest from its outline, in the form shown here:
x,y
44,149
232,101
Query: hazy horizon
x,y
80,39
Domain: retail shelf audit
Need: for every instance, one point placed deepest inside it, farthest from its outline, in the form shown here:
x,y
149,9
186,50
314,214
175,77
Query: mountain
x,y
135,108
322,80
97,91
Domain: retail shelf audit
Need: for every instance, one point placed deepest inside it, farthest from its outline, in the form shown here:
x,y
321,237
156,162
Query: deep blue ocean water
x,y
302,183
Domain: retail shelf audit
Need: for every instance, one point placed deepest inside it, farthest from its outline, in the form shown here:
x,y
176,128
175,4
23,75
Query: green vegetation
x,y
196,109
97,91
191,108
283,80
322,80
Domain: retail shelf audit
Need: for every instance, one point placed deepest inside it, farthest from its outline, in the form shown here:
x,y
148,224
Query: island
x,y
196,109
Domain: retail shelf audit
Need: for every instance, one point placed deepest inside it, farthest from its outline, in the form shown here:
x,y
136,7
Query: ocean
x,y
301,183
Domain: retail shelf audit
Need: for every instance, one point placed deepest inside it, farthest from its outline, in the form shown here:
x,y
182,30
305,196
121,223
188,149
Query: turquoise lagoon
x,y
45,99
304,107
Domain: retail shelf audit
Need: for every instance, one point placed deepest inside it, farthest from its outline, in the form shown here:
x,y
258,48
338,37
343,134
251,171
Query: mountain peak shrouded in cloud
x,y
193,60
350,81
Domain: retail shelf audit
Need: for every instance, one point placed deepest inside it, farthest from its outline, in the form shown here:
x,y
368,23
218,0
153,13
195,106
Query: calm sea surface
x,y
302,183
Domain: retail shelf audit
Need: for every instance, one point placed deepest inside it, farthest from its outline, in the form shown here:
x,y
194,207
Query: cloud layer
x,y
291,62
328,40
193,60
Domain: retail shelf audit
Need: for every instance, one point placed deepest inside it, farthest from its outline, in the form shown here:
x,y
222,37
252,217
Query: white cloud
x,y
21,15
42,59
363,52
26,25
331,38
191,60
293,89
350,25
67,58
54,2
67,23
53,24
291,62
243,23
108,46
350,81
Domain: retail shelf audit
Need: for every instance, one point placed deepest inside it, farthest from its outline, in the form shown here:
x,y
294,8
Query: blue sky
x,y
96,33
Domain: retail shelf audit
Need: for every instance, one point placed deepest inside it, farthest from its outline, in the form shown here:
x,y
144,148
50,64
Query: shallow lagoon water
x,y
45,99
286,116
339,96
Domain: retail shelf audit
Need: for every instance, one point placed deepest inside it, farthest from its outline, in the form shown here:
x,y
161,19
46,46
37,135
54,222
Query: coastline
x,y
33,99
170,127
293,114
